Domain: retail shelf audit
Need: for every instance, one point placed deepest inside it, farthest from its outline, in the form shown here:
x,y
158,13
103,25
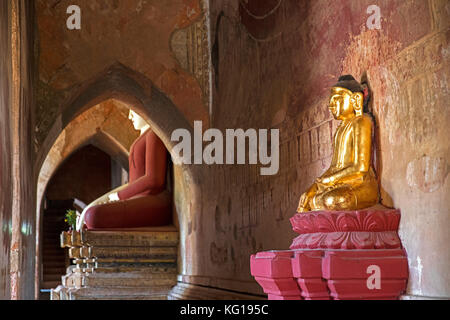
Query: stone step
x,y
186,291
145,269
136,264
112,279
133,253
118,293
59,293
132,265
131,279
140,237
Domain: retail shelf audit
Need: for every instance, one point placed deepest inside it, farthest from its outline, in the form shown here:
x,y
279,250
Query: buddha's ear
x,y
357,99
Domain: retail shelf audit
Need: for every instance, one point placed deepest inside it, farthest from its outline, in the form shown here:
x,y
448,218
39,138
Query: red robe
x,y
145,202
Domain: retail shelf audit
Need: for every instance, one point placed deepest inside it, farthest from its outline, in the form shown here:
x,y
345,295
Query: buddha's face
x,y
344,104
138,121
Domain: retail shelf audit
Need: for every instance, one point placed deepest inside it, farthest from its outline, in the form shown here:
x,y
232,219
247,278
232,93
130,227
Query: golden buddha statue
x,y
350,183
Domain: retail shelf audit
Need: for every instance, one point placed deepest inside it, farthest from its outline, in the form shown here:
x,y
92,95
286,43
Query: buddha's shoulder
x,y
363,119
141,139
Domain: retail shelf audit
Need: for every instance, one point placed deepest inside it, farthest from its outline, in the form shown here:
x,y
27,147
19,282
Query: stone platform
x,y
188,291
337,255
135,264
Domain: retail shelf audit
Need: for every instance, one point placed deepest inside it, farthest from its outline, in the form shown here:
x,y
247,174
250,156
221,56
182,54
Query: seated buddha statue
x,y
350,182
144,201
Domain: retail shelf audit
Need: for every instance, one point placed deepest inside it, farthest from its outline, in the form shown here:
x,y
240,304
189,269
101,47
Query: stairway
x,y
134,264
54,258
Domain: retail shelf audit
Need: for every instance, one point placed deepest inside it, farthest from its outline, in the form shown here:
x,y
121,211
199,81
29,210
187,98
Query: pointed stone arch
x,y
127,86
100,139
141,95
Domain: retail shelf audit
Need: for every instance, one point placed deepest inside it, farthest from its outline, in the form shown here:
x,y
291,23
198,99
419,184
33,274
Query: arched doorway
x,y
136,92
85,175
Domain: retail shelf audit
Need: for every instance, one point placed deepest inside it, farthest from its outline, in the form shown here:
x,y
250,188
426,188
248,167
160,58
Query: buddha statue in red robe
x,y
144,201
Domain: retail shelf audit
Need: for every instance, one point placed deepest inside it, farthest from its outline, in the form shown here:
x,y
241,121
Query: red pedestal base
x,y
324,265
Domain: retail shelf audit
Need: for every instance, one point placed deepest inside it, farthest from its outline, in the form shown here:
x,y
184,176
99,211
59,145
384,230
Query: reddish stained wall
x,y
133,33
275,70
86,175
273,67
5,152
21,122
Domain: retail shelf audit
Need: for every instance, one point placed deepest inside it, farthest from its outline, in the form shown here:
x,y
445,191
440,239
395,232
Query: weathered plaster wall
x,y
136,34
274,61
90,163
22,105
5,151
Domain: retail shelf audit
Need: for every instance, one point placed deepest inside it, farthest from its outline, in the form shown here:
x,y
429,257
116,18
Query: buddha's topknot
x,y
348,82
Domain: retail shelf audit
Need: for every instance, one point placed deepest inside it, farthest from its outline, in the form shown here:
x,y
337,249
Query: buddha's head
x,y
347,98
138,122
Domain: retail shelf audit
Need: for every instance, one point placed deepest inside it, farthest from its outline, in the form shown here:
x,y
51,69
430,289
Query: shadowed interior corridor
x,y
92,92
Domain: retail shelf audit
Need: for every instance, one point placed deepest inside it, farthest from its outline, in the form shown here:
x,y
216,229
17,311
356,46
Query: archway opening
x,y
98,138
130,90
84,176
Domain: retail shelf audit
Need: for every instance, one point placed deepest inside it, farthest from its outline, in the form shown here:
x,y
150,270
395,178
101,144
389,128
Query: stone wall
x,y
135,34
273,62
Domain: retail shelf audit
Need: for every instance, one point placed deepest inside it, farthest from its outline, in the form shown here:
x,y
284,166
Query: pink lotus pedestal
x,y
337,255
